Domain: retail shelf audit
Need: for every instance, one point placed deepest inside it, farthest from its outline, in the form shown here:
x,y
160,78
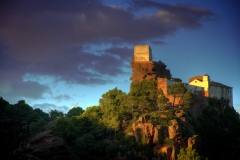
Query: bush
x,y
168,141
188,154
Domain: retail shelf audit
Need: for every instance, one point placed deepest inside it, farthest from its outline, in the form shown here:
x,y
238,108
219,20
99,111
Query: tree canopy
x,y
75,111
176,89
144,95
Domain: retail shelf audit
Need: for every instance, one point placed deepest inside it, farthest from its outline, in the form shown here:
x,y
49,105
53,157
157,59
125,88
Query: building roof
x,y
198,77
217,84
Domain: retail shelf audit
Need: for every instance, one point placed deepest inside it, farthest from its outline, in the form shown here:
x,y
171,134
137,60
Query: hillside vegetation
x,y
137,125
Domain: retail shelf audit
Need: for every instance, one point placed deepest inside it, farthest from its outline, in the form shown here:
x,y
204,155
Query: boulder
x,y
45,146
181,115
174,130
195,142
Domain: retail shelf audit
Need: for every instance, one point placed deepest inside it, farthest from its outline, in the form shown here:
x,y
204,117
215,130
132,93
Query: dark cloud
x,y
123,53
16,90
57,38
76,65
36,29
182,15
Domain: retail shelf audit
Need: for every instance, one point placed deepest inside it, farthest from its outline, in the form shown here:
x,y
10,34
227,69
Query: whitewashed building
x,y
213,89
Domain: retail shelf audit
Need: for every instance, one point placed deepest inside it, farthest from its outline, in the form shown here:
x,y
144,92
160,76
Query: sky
x,y
63,53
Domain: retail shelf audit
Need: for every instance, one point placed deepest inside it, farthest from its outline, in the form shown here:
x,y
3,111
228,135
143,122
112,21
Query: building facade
x,y
213,89
143,68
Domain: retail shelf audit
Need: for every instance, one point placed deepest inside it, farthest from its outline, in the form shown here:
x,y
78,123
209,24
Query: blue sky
x,y
59,54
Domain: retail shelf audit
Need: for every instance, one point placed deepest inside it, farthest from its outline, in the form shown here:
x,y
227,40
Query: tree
x,y
41,114
188,99
188,154
162,100
113,106
75,111
85,142
219,132
64,128
22,110
38,126
93,113
3,106
143,95
176,89
55,114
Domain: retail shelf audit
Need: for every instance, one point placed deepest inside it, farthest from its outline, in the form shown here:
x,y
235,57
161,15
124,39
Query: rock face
x,y
160,133
143,130
182,117
147,70
174,134
45,146
174,130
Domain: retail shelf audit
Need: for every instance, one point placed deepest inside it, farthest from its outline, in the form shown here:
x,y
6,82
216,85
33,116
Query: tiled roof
x,y
200,78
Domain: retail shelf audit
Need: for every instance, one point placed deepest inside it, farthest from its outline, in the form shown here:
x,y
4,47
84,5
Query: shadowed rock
x,y
45,146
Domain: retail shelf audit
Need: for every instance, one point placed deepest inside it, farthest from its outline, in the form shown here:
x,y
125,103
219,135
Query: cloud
x,y
158,42
15,91
62,39
38,28
123,53
12,84
47,107
62,97
184,15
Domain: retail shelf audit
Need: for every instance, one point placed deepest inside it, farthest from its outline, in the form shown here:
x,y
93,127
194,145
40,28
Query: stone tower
x,y
142,53
143,68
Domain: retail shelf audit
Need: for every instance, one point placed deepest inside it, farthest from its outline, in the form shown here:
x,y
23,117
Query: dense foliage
x,y
188,154
13,119
220,133
100,132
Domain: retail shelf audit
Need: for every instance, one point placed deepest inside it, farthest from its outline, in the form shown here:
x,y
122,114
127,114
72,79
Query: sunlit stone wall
x,y
142,53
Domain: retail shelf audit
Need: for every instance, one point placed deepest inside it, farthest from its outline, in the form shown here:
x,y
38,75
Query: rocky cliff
x,y
145,70
168,140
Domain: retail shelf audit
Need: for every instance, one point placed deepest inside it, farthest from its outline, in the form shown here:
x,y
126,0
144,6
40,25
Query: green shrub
x,y
188,154
168,141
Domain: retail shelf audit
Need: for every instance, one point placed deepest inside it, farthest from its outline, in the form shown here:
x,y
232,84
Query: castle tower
x,y
143,68
142,53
